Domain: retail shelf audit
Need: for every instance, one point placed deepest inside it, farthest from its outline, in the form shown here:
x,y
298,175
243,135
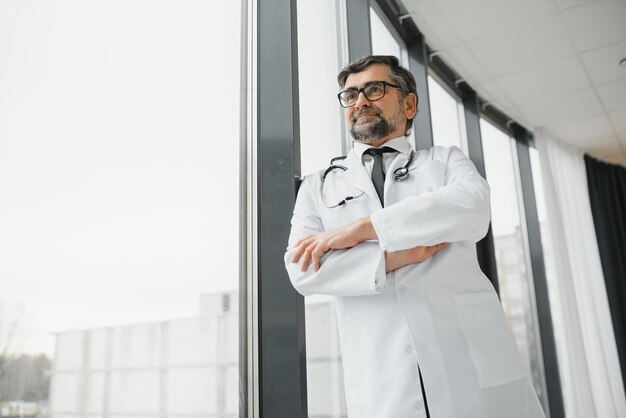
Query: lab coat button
x,y
409,349
419,405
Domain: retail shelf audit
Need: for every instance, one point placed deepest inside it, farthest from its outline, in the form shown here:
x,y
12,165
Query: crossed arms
x,y
347,261
311,248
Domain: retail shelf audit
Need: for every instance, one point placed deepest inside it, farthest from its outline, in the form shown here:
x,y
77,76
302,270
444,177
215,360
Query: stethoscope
x,y
399,174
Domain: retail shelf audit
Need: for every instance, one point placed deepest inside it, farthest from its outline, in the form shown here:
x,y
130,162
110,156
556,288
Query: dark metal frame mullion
x,y
359,28
418,65
281,333
546,330
485,248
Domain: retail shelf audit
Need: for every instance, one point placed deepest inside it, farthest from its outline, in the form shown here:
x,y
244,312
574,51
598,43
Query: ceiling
x,y
550,64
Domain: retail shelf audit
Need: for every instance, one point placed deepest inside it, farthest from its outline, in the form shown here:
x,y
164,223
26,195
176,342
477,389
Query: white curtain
x,y
588,361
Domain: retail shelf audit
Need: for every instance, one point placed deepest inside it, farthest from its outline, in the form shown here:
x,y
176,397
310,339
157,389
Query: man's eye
x,y
375,89
349,95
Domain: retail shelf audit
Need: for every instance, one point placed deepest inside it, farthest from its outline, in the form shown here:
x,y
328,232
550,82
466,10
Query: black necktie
x,y
378,175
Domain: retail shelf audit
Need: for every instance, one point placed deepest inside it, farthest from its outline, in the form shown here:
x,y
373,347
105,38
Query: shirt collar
x,y
400,144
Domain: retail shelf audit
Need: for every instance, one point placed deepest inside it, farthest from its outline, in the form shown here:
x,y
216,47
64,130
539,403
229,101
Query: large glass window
x,y
119,208
447,117
383,41
321,137
511,247
320,114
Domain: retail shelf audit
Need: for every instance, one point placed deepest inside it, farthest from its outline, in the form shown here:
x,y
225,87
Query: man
x,y
391,233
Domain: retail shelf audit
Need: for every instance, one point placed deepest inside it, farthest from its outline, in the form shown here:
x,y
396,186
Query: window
x,y
383,41
447,117
320,113
119,208
321,137
511,247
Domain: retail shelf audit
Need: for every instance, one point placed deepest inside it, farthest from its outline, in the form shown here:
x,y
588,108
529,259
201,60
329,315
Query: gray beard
x,y
372,132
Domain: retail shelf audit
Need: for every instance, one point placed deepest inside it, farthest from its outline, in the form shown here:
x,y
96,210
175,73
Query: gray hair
x,y
400,75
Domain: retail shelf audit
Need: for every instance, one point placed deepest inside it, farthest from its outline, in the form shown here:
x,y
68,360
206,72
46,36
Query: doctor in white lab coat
x,y
422,331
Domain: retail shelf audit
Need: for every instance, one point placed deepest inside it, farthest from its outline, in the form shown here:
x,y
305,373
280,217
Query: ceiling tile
x,y
444,35
619,121
613,95
596,24
566,4
578,105
492,91
603,63
542,81
474,19
464,63
530,43
582,131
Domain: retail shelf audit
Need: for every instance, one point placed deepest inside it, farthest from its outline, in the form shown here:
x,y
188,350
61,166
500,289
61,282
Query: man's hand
x,y
312,247
414,255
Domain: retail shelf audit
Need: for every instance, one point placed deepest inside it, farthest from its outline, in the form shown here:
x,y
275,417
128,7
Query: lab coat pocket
x,y
352,336
492,347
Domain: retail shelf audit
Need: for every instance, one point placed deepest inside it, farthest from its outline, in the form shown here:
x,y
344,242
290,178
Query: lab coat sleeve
x,y
457,211
359,270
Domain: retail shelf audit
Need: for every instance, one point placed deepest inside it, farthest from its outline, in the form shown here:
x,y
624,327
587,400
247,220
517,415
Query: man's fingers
x,y
422,253
435,248
304,238
306,259
311,254
298,254
317,255
301,245
306,256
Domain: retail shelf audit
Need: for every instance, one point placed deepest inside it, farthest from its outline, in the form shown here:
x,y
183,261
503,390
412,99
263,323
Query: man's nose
x,y
362,101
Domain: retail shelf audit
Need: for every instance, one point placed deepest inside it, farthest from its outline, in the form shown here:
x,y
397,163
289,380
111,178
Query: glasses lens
x,y
348,97
374,91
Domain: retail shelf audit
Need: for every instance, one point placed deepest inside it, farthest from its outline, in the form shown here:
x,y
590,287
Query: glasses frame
x,y
362,90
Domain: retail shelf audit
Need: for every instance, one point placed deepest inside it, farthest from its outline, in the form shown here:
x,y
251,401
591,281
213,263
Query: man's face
x,y
376,122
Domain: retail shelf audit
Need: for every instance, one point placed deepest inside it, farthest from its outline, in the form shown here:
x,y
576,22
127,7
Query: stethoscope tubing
x,y
399,174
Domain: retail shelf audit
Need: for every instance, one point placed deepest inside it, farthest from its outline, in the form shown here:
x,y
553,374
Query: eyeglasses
x,y
373,90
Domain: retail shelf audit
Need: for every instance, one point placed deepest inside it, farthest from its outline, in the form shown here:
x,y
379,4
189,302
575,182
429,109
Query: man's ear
x,y
410,105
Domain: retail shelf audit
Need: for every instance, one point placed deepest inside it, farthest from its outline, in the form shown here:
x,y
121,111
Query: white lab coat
x,y
442,314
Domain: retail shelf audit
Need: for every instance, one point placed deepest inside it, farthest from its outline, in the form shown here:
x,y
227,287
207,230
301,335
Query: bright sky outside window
x,y
320,112
447,117
118,223
383,42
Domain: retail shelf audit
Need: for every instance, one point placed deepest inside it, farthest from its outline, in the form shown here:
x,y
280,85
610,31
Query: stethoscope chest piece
x,y
401,174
